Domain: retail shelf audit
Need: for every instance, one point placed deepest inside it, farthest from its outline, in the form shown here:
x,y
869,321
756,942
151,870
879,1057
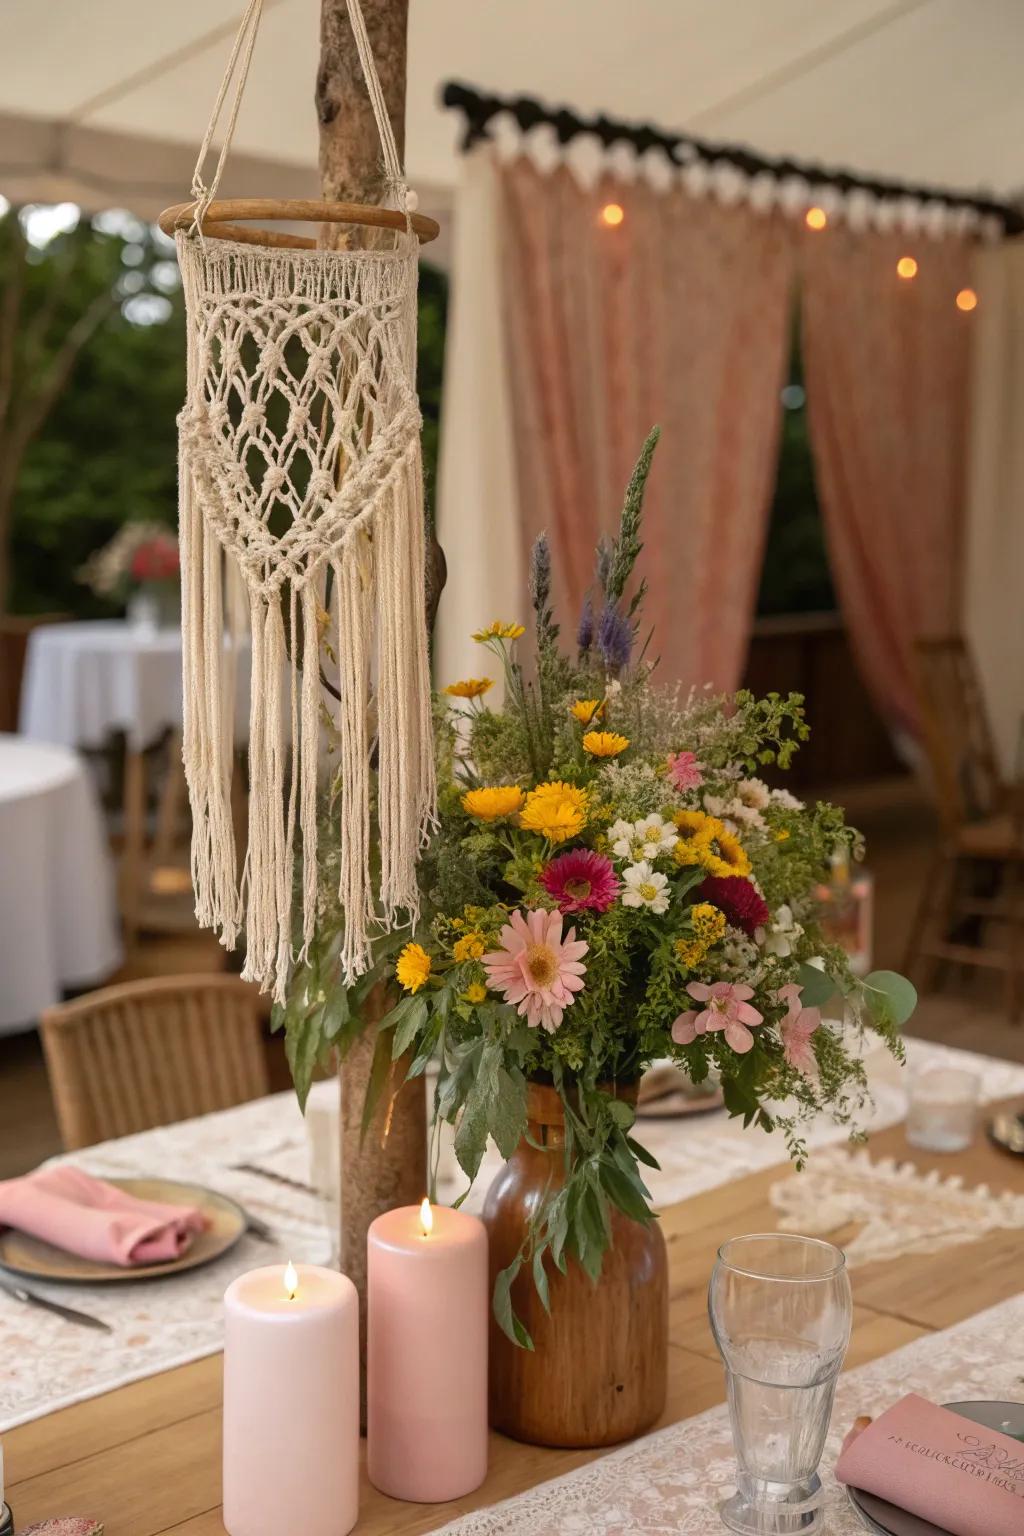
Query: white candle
x,y
291,1402
428,1298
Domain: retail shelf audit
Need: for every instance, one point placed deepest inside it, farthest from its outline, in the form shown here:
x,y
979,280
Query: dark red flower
x,y
738,899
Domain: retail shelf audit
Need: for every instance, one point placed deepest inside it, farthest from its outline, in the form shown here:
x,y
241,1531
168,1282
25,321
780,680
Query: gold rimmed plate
x,y
31,1259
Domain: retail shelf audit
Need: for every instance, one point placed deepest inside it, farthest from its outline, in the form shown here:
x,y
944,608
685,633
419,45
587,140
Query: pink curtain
x,y
678,316
887,363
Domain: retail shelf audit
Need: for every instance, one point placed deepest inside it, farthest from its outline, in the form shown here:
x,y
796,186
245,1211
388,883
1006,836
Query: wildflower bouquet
x,y
139,554
611,883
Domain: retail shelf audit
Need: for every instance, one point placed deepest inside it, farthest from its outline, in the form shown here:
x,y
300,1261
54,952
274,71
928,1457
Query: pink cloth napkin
x,y
72,1210
963,1478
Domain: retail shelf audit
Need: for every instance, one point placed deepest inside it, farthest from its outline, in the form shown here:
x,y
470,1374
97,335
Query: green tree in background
x,y
104,451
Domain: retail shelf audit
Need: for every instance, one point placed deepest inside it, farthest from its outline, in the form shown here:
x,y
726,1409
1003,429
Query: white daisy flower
x,y
621,837
645,887
656,834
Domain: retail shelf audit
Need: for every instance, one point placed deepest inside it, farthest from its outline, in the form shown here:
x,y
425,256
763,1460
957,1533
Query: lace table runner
x,y
48,1363
673,1481
898,1210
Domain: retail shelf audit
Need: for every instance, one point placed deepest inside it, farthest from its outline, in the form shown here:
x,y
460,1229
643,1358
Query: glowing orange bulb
x,y
815,218
426,1217
906,267
612,215
967,300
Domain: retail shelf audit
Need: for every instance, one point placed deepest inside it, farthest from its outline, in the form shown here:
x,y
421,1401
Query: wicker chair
x,y
981,827
148,1053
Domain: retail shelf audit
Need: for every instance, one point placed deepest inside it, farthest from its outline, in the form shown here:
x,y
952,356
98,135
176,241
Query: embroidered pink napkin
x,y
931,1462
72,1210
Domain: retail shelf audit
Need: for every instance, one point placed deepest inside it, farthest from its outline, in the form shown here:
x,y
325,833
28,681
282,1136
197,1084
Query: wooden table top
x,y
146,1458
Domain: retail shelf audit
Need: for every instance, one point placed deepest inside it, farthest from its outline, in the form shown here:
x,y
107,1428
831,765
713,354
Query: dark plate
x,y
886,1520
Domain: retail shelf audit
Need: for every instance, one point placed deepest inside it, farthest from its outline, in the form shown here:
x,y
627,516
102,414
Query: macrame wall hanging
x,y
301,506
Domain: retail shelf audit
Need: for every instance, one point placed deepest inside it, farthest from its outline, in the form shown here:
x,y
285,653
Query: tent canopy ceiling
x,y
103,106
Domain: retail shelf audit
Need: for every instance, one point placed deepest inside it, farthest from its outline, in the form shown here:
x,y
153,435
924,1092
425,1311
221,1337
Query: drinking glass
x,y
780,1310
942,1109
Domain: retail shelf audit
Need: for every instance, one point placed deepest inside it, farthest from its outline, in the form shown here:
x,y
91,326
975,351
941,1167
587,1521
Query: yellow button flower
x,y
470,947
494,802
604,743
469,688
413,967
496,630
555,810
587,710
475,993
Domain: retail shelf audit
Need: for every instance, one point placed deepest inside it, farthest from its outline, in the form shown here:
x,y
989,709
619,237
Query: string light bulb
x,y
906,267
816,218
612,215
967,300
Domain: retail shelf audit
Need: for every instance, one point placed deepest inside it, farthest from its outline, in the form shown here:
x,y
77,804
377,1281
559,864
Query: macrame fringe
x,y
378,613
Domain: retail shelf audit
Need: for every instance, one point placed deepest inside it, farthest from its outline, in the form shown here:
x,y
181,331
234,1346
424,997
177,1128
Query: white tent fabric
x,y
993,608
104,102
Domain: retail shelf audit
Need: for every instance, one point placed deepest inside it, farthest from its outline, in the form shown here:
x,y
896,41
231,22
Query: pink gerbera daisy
x,y
581,881
797,1028
536,968
728,1008
684,771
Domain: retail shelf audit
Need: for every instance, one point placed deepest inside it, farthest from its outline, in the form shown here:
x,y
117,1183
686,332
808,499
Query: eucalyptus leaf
x,y
540,1280
380,1069
408,1028
641,1154
900,995
502,1304
816,986
622,1113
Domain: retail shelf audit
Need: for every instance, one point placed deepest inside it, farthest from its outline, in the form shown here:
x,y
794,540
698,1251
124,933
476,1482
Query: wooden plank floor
x,y
145,1460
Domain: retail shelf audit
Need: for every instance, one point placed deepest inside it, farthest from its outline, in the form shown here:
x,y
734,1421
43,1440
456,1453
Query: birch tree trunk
x,y
388,1167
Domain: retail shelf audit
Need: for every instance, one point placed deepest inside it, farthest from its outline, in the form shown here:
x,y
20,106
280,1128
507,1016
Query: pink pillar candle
x,y
291,1402
428,1298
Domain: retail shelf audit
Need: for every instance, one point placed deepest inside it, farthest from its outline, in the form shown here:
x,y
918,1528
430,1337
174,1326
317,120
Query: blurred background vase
x,y
597,1372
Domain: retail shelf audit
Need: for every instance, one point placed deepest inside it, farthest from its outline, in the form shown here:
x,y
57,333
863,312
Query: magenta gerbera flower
x,y
536,968
684,771
741,902
581,881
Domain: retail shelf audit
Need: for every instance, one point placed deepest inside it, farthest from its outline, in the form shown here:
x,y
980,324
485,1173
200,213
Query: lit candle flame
x,y
426,1217
291,1280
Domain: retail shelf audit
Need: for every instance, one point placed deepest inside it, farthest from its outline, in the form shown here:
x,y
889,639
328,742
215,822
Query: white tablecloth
x,y
48,1363
58,925
85,680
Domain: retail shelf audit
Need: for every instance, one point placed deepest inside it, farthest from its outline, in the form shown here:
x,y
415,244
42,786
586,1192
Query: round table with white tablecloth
x,y
58,926
84,681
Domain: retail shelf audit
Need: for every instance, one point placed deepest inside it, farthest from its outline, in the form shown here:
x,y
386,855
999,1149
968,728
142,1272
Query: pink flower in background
x,y
797,1028
156,560
536,968
728,1008
581,881
684,771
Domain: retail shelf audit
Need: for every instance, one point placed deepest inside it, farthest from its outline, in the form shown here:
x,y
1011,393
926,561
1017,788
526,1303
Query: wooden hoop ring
x,y
218,225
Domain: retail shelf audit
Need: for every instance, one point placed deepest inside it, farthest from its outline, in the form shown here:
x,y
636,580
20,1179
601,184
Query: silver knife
x,y
33,1299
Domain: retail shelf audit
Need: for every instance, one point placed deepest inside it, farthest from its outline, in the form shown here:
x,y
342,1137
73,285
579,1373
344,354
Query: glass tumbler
x,y
942,1109
780,1310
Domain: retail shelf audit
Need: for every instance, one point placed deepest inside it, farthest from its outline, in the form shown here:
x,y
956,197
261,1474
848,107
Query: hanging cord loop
x,y
239,62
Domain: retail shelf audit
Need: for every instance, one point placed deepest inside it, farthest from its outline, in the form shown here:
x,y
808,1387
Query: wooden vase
x,y
597,1373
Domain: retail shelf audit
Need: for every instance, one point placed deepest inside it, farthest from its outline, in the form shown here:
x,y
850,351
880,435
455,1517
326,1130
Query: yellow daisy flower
x,y
475,993
496,630
604,743
469,688
696,823
413,967
470,947
556,811
493,802
587,710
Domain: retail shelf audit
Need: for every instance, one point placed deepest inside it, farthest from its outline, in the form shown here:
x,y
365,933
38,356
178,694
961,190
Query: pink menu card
x,y
965,1479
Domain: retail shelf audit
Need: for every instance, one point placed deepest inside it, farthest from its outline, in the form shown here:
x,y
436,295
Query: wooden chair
x,y
148,1053
981,825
